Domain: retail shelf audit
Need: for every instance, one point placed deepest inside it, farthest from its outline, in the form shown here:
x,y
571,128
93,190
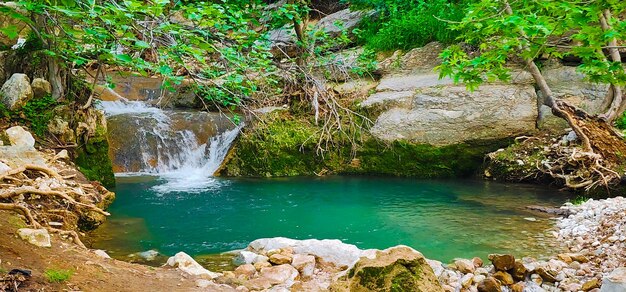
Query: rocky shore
x,y
594,233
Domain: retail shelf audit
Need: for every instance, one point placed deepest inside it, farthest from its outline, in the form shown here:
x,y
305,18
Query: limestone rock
x,y
38,237
41,87
61,129
489,285
423,110
502,262
18,156
330,251
464,266
244,257
518,287
16,91
188,265
247,270
400,267
62,155
478,262
258,284
283,274
615,282
20,137
305,264
280,259
207,285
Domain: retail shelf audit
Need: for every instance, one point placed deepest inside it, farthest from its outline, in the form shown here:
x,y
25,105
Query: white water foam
x,y
196,174
176,157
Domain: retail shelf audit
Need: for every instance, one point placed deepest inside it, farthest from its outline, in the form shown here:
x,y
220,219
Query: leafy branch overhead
x,y
215,44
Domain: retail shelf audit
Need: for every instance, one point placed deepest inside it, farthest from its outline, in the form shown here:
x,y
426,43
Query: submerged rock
x,y
38,237
396,269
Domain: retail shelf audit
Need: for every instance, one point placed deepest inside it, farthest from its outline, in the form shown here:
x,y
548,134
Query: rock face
x,y
419,107
615,282
38,237
444,115
188,265
149,90
395,269
20,137
16,91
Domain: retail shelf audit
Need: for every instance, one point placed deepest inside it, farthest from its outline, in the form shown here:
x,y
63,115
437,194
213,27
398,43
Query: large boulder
x,y
615,282
441,114
19,137
396,269
418,106
16,91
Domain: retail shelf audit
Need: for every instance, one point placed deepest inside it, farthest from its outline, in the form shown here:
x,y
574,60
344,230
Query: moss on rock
x,y
93,159
282,145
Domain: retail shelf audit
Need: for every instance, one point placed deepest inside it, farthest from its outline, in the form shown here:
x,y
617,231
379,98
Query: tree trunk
x,y
55,78
614,109
596,134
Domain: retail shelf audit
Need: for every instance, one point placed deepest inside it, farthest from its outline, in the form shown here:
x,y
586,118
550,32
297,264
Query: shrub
x,y
406,24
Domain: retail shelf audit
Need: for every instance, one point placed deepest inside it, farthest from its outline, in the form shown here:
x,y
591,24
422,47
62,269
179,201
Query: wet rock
x,y
148,255
305,264
38,237
615,282
16,91
519,271
280,259
247,271
546,274
464,266
518,287
19,137
504,277
283,274
41,87
489,285
400,267
187,264
502,262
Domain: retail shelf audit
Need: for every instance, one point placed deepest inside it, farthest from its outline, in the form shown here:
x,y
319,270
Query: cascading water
x,y
150,141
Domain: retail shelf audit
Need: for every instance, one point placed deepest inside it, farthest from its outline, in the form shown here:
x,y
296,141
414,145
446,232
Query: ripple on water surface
x,y
444,219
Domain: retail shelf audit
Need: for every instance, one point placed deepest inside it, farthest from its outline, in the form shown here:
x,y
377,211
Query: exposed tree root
x,y
53,201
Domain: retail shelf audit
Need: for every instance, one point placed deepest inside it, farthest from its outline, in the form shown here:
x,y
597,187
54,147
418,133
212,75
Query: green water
x,y
444,219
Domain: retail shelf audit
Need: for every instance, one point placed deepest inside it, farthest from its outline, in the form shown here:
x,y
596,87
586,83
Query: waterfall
x,y
183,149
